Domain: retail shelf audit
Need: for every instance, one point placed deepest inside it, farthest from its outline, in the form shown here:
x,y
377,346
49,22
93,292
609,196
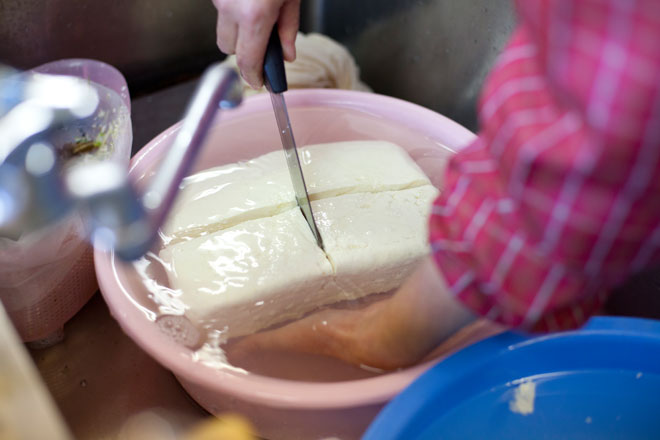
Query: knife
x,y
275,81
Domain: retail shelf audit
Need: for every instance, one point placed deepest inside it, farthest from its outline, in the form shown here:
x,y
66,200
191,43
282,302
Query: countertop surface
x,y
100,378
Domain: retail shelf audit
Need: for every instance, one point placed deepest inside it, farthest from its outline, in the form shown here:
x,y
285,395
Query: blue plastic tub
x,y
599,382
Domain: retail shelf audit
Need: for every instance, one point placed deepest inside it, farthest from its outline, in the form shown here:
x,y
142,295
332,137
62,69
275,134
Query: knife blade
x,y
275,81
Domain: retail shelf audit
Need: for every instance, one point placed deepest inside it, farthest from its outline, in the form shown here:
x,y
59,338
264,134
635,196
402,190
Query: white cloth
x,y
320,62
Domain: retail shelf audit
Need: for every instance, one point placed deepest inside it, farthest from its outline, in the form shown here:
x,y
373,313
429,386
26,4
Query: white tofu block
x,y
269,270
252,275
225,196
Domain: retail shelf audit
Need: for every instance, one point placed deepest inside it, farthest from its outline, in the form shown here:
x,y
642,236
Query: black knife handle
x,y
274,74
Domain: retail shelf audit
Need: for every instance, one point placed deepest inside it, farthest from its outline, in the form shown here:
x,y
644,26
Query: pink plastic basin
x,y
281,408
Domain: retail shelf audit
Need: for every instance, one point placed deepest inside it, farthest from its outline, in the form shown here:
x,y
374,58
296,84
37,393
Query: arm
x,y
558,200
244,27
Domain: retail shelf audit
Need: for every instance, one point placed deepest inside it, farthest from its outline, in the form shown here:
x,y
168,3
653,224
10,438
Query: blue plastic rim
x,y
601,381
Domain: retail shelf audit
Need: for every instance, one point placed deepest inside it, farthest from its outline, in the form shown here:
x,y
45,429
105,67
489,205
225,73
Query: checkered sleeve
x,y
558,199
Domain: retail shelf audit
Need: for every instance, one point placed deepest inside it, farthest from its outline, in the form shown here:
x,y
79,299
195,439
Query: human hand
x,y
392,333
244,27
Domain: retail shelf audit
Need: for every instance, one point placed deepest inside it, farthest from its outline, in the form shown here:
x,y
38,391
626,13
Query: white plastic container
x,y
48,275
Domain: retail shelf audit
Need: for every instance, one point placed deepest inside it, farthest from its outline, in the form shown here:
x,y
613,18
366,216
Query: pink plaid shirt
x,y
558,200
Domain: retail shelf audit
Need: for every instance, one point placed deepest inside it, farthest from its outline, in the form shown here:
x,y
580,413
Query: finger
x,y
226,31
288,24
253,34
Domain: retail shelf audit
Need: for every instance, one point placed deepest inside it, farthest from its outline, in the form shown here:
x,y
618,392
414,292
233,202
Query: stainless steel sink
x,y
432,52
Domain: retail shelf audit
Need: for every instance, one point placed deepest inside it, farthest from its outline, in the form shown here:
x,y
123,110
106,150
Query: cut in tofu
x,y
221,197
269,270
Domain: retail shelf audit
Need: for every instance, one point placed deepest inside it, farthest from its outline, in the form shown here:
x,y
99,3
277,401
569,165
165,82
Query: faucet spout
x,y
36,191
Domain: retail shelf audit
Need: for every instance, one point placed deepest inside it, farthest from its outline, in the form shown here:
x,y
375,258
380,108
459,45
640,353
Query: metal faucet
x,y
35,190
